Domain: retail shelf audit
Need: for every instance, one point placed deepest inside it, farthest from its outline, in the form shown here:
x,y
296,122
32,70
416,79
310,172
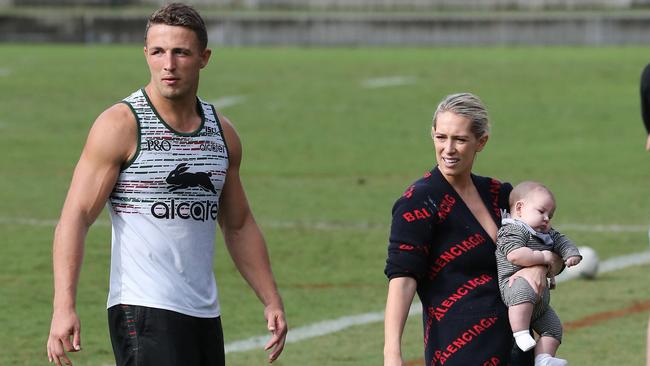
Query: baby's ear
x,y
518,206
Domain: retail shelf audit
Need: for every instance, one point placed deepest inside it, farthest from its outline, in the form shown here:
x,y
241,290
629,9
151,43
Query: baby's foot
x,y
545,359
524,340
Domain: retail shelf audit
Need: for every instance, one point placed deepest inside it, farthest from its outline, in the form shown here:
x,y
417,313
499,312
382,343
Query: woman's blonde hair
x,y
469,106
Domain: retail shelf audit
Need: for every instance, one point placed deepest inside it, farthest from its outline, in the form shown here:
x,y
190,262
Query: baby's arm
x,y
566,249
511,242
572,261
526,257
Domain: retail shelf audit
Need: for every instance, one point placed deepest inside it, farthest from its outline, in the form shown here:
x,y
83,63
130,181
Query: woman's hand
x,y
535,275
556,266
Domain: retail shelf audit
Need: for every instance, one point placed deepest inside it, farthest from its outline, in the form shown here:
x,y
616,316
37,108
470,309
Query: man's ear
x,y
205,57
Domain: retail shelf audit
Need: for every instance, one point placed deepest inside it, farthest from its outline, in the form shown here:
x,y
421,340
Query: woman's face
x,y
455,145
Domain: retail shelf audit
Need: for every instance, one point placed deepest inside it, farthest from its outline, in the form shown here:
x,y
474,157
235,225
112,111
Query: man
x,y
168,165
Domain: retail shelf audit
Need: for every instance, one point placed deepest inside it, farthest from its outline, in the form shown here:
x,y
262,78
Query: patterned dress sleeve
x,y
411,234
563,246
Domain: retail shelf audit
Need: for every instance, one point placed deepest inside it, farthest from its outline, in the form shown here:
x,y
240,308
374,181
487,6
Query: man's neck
x,y
180,114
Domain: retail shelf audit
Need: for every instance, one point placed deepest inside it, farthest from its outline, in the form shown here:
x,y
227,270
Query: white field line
x,y
603,228
339,225
364,225
612,264
40,222
5,72
324,225
308,331
335,325
388,82
228,101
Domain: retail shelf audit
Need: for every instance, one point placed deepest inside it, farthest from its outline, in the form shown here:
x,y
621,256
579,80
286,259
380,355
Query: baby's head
x,y
534,204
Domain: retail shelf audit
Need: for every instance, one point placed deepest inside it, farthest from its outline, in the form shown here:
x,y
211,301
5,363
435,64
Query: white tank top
x,y
163,209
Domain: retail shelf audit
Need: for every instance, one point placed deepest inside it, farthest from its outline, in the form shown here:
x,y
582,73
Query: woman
x,y
442,245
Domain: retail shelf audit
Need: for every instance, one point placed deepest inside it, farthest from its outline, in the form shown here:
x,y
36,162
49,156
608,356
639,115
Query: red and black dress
x,y
437,240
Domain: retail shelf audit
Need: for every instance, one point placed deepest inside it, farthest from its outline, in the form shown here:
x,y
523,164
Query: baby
x,y
527,239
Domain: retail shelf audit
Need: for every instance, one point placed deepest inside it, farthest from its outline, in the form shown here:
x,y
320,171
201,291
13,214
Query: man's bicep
x,y
90,187
109,143
234,211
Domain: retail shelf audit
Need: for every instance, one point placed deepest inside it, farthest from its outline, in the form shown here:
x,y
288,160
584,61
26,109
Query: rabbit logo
x,y
179,179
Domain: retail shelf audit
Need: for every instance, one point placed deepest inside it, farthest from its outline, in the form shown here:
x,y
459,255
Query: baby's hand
x,y
572,261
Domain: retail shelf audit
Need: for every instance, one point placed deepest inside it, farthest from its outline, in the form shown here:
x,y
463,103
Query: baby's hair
x,y
523,189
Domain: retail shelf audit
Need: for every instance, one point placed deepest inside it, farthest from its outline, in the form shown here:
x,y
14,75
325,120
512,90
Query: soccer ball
x,y
588,266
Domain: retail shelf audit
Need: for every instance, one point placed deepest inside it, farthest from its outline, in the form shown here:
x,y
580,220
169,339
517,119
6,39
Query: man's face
x,y
175,59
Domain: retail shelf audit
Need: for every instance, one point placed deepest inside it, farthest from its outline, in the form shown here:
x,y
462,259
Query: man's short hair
x,y
177,14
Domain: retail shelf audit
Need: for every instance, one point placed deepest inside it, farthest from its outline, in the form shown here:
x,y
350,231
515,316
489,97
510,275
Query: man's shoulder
x,y
119,115
116,126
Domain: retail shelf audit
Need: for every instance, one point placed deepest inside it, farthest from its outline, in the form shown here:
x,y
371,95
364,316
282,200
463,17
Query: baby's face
x,y
536,210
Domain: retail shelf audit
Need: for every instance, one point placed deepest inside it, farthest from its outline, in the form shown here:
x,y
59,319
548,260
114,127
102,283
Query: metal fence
x,y
348,29
363,4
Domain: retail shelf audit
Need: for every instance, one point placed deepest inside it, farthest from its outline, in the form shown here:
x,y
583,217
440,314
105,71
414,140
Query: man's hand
x,y
277,325
647,144
65,324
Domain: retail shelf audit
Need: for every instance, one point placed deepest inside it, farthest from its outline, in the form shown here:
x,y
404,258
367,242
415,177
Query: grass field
x,y
324,159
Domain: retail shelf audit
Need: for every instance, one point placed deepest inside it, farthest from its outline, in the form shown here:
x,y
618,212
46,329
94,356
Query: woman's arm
x,y
537,275
400,296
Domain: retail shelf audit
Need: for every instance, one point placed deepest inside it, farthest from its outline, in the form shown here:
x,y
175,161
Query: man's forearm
x,y
249,253
67,257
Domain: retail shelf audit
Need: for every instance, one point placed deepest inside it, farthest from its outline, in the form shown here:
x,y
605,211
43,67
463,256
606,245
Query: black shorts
x,y
143,336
